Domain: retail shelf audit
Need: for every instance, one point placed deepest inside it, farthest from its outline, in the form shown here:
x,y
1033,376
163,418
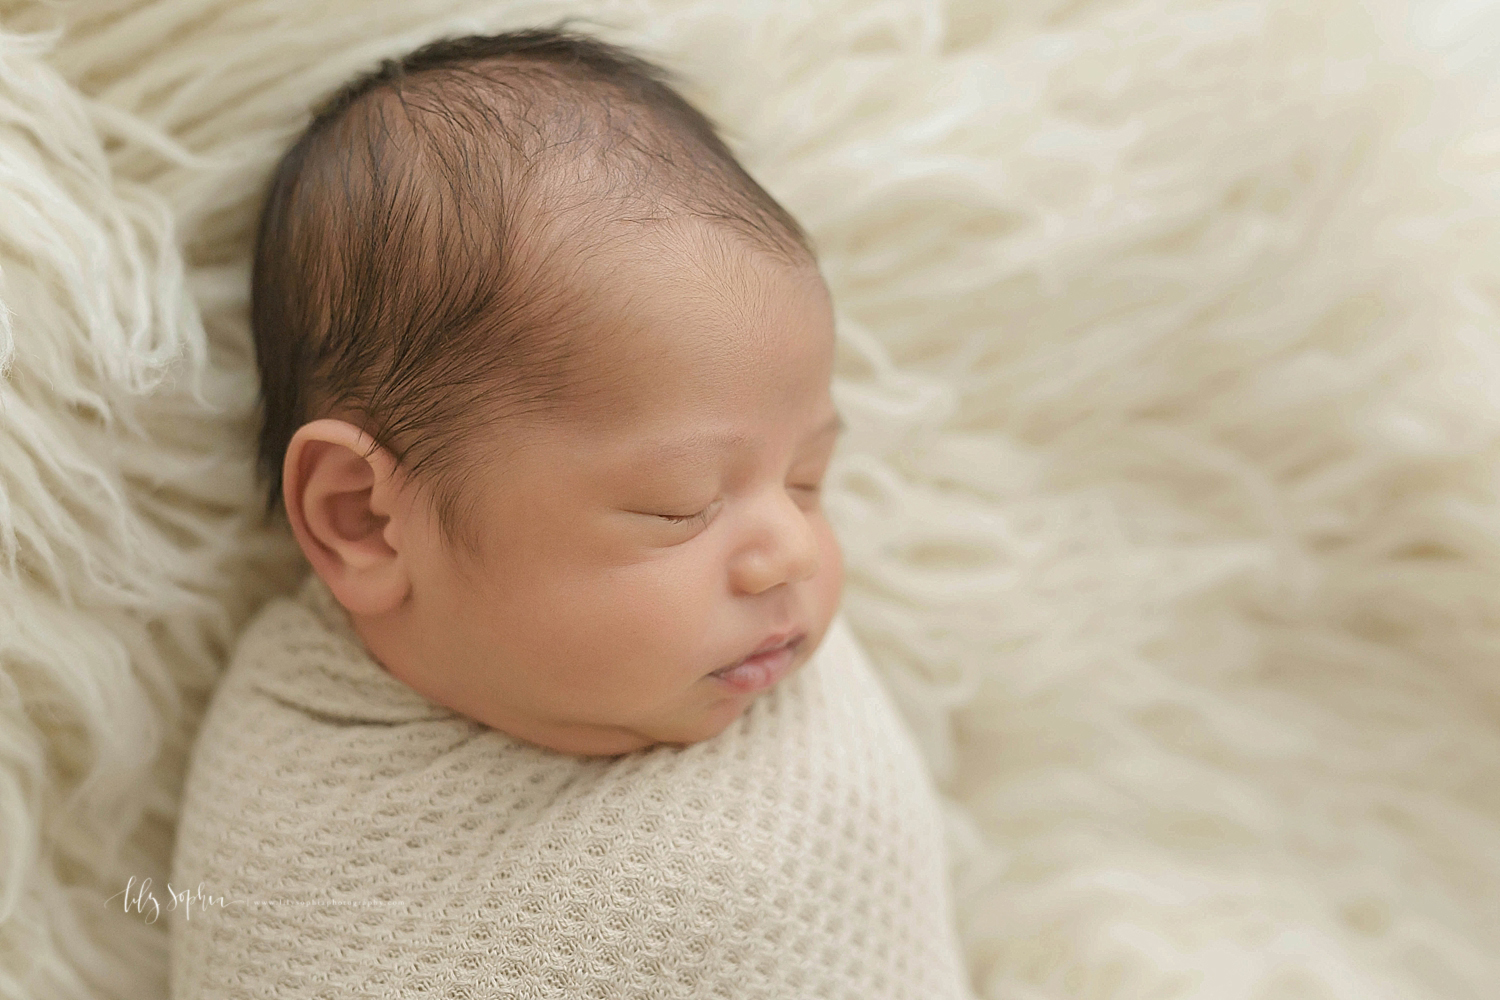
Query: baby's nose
x,y
783,547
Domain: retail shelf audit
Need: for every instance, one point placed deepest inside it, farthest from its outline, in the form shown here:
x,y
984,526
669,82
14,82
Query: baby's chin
x,y
712,721
613,741
711,717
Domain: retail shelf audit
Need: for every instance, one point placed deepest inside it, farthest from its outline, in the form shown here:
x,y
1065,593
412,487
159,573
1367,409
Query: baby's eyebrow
x,y
699,441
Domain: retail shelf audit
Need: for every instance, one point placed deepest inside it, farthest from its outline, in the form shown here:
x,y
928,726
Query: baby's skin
x,y
629,550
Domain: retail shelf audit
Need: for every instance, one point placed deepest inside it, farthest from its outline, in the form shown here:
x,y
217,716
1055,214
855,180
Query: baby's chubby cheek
x,y
574,666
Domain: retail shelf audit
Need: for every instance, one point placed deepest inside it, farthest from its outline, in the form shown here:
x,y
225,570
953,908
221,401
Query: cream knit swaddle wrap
x,y
799,853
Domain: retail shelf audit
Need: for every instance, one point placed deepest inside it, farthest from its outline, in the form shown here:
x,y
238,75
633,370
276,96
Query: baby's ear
x,y
342,491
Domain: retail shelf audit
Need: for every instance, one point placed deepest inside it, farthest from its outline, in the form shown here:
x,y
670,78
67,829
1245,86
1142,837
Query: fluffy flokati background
x,y
1170,345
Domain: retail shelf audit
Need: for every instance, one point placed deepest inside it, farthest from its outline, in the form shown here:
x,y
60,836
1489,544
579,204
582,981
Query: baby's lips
x,y
759,672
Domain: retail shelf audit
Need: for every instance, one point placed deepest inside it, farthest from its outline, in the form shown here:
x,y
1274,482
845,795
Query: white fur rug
x,y
1170,341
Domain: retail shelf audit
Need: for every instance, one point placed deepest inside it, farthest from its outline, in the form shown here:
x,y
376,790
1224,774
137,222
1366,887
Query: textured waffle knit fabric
x,y
340,835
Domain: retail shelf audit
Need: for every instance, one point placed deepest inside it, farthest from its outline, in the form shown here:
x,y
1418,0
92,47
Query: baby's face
x,y
627,557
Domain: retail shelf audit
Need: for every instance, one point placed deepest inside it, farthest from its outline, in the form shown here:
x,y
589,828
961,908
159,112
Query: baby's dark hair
x,y
414,249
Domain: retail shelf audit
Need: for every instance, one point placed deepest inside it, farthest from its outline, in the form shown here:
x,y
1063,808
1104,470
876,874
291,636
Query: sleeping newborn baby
x,y
565,707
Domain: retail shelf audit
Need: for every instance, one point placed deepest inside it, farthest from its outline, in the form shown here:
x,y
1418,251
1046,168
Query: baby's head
x,y
546,391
